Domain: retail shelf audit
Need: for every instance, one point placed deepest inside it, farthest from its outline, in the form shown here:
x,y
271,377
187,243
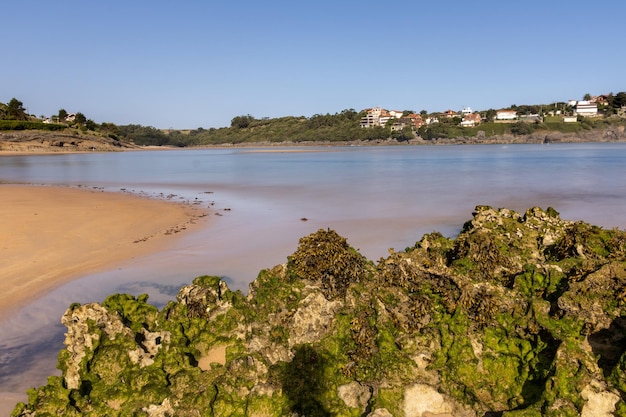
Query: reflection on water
x,y
378,197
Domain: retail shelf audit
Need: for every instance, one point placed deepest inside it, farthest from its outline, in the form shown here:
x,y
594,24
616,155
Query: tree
x,y
619,100
241,122
143,135
91,125
80,119
404,135
434,131
350,114
109,128
521,128
62,115
15,110
587,97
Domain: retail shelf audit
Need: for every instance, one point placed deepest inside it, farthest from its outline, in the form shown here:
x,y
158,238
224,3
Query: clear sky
x,y
190,64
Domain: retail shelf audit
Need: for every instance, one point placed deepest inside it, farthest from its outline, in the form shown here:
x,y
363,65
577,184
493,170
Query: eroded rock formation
x,y
520,315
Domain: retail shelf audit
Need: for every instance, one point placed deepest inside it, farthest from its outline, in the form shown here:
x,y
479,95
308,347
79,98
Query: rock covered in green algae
x,y
520,315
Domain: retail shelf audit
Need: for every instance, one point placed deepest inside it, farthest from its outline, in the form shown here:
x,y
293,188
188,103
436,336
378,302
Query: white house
x,y
530,118
506,115
384,118
586,108
466,111
471,120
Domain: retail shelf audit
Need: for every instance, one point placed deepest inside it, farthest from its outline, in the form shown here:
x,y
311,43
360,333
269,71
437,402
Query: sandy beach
x,y
51,235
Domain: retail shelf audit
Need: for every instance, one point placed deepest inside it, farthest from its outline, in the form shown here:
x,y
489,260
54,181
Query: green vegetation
x,y
14,117
520,315
29,125
327,259
13,110
342,127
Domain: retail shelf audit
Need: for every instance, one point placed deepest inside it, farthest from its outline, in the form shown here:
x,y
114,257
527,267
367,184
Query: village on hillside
x,y
368,125
570,112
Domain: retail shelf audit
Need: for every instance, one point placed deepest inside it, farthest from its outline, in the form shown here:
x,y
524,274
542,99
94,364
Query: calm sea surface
x,y
377,197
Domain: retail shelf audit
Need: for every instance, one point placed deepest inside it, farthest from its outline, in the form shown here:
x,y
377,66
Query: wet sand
x,y
51,235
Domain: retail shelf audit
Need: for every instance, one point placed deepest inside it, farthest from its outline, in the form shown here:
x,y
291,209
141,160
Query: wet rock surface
x,y
523,314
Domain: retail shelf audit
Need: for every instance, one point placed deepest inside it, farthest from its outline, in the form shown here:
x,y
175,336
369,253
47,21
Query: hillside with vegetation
x,y
339,128
64,132
522,315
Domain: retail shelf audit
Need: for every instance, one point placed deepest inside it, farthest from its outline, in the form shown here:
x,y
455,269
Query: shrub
x,y
522,128
29,125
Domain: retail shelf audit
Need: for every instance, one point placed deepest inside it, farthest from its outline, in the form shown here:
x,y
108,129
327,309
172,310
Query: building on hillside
x,y
399,124
601,100
416,120
384,118
471,120
368,120
378,117
586,108
431,120
396,113
372,118
506,115
376,111
450,114
531,118
465,111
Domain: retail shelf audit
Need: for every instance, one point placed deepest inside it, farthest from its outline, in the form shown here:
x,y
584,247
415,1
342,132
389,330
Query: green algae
x,y
518,316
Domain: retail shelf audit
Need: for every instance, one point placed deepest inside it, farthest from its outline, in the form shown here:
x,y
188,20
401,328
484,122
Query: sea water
x,y
262,201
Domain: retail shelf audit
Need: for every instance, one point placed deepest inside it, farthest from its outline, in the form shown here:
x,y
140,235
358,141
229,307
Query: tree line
x,y
342,126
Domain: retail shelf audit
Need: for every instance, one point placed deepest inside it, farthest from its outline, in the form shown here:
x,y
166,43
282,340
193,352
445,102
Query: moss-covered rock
x,y
520,315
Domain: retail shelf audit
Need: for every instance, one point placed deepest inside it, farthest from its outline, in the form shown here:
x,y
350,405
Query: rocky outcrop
x,y
521,315
40,141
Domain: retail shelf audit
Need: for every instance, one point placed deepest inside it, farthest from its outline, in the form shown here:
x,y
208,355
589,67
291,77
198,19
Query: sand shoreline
x,y
50,235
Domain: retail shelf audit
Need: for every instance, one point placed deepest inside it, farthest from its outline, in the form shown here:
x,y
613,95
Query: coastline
x,y
16,143
293,221
51,235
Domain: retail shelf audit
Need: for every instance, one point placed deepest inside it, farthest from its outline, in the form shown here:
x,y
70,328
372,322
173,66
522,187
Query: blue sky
x,y
191,64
